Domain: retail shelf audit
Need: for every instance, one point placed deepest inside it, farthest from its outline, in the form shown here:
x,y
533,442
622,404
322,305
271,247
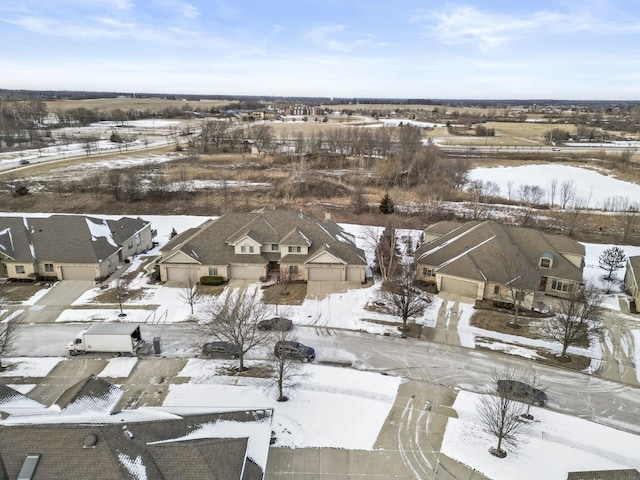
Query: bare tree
x,y
529,197
567,192
481,193
500,414
262,136
234,318
404,299
553,188
122,292
572,214
521,281
387,255
285,277
188,292
576,319
287,372
115,183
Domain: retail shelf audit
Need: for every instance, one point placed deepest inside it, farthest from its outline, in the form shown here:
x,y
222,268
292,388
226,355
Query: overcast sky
x,y
494,49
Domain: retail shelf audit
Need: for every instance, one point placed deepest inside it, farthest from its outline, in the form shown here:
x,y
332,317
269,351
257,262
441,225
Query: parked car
x,y
522,392
220,350
278,324
556,149
294,350
24,162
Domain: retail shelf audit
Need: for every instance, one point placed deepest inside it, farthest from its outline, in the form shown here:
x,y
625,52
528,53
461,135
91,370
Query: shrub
x,y
211,280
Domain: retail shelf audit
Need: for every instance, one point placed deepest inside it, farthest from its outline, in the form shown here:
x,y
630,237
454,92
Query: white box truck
x,y
116,338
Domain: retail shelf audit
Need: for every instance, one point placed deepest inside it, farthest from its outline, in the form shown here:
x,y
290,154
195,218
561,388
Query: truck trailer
x,y
116,338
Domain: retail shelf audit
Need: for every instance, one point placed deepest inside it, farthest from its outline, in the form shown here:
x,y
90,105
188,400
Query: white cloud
x,y
324,36
468,25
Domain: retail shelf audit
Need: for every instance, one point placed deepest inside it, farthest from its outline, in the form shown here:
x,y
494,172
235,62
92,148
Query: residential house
x,y
628,474
483,260
632,279
251,246
90,437
69,247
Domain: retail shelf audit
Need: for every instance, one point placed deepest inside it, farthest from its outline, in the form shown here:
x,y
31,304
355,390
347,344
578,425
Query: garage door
x,y
353,274
78,273
325,274
459,287
246,272
177,274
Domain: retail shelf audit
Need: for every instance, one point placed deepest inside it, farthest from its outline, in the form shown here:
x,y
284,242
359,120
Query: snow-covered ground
x,y
588,185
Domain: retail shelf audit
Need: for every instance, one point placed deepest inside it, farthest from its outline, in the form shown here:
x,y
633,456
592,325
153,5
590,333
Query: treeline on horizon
x,y
52,95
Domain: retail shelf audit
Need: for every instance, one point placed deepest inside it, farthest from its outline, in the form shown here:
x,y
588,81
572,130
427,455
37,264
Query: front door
x,y
543,284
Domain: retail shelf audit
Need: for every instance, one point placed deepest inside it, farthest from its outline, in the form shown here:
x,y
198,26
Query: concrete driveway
x,y
319,290
59,298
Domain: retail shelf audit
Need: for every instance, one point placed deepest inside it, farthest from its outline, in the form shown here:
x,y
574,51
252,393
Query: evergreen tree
x,y
611,260
386,204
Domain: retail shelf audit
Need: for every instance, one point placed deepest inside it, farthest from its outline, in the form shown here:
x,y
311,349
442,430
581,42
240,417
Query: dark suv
x,y
294,350
220,350
522,392
278,324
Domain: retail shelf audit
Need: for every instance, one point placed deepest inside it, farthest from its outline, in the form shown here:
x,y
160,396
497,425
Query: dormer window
x,y
546,260
246,249
295,249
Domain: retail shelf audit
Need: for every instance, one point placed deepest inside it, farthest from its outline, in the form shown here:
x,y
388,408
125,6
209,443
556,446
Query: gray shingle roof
x,y
475,250
212,244
170,446
65,238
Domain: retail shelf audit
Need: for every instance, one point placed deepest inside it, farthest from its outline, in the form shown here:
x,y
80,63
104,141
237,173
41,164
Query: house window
x,y
109,263
138,241
246,249
274,247
293,269
428,272
130,245
545,262
48,267
561,286
19,268
213,271
496,289
520,295
293,249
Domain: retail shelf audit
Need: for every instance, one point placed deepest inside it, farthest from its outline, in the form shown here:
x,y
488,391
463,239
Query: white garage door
x,y
325,274
246,272
177,274
459,287
353,274
78,273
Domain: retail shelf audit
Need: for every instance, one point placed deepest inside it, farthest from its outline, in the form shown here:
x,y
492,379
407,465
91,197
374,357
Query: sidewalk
x,y
404,450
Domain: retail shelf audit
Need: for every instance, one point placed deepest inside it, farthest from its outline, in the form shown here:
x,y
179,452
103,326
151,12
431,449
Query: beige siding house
x,y
632,279
69,247
485,260
251,246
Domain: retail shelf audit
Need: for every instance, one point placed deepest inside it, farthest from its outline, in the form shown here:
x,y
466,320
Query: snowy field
x,y
589,185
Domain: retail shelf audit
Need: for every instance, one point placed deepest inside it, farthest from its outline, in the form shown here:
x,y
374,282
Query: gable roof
x,y
476,250
65,238
212,243
83,441
633,264
628,474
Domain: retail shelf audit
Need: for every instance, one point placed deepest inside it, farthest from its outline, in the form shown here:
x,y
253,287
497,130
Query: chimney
x,y
327,216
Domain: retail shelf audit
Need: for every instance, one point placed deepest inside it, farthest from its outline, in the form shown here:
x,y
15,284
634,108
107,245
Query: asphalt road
x,y
587,396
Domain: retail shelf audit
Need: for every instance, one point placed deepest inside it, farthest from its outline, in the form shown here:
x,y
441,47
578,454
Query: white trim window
x,y
561,286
